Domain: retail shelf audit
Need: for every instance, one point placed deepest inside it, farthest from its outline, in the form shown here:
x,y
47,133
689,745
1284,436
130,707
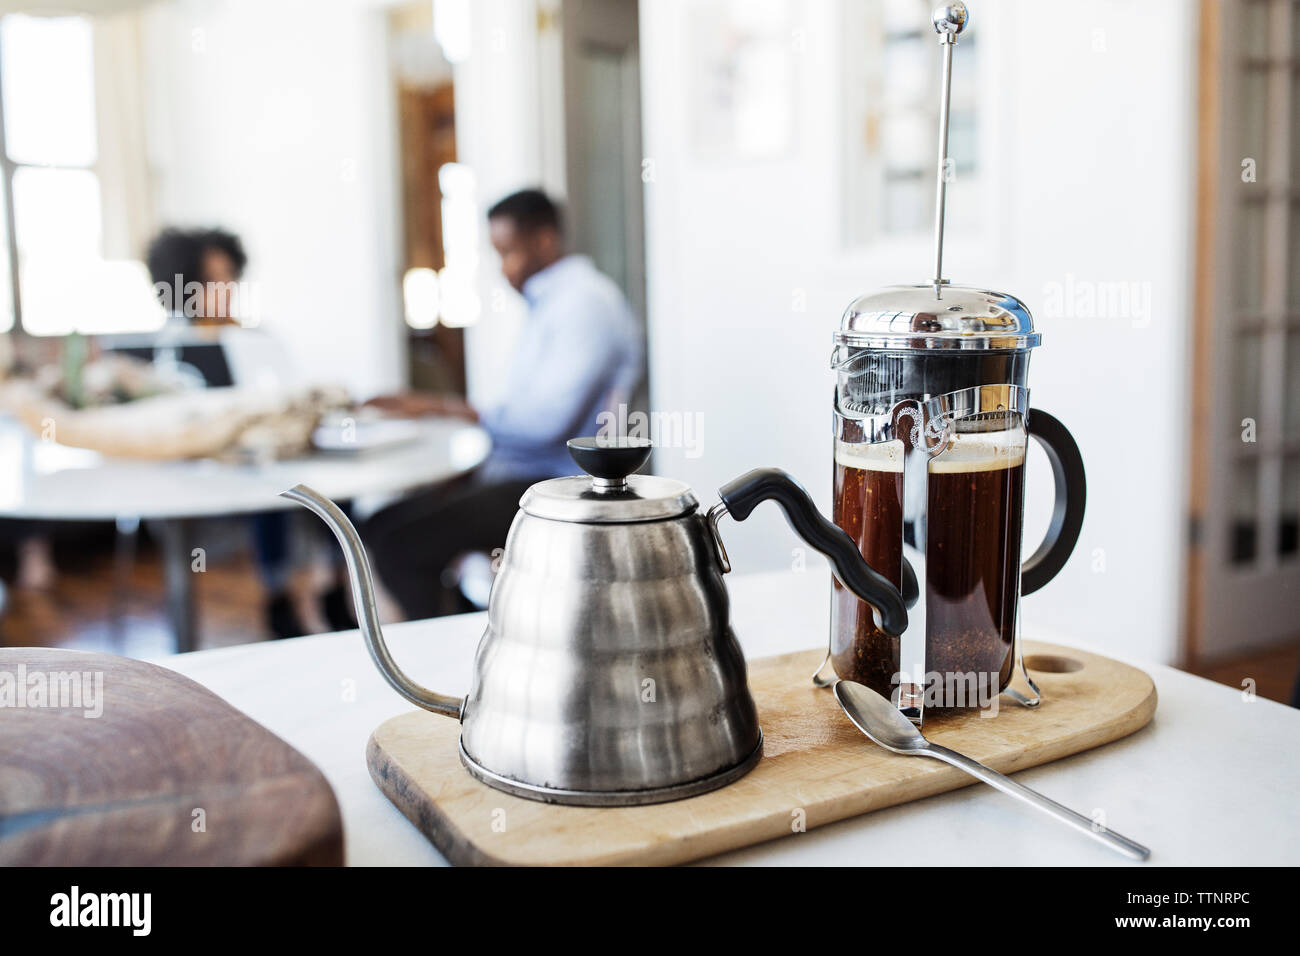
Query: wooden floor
x,y
87,611
1273,674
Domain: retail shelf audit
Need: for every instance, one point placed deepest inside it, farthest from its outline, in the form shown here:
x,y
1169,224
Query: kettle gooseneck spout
x,y
363,595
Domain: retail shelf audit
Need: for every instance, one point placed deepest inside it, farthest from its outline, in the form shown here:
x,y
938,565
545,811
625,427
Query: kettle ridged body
x,y
608,663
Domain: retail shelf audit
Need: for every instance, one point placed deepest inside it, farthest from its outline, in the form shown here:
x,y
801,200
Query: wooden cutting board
x,y
814,761
167,774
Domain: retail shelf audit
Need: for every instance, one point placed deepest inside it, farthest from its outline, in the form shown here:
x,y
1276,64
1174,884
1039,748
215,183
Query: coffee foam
x,y
985,451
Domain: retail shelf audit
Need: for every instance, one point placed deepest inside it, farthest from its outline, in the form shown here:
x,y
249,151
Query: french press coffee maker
x,y
931,424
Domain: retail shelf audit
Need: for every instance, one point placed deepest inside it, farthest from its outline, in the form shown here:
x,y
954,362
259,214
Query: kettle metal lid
x,y
910,317
612,494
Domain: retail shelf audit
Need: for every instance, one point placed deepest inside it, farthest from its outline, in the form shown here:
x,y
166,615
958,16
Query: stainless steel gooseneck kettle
x,y
609,673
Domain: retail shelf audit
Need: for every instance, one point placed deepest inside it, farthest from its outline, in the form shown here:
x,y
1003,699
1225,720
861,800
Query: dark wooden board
x,y
125,788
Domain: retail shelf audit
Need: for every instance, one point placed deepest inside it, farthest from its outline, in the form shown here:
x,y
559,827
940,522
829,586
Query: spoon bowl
x,y
878,718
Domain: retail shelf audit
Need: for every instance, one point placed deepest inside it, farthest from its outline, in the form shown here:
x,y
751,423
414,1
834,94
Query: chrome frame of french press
x,y
926,428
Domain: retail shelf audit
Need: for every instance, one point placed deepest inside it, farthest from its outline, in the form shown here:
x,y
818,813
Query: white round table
x,y
42,480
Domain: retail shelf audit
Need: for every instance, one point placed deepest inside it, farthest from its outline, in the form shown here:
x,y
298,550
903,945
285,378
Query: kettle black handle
x,y
741,496
1067,512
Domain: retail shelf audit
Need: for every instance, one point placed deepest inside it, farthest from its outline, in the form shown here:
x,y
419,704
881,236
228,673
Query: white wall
x,y
275,120
1090,138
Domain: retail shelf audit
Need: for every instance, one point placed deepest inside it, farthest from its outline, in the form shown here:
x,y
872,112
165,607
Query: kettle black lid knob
x,y
609,459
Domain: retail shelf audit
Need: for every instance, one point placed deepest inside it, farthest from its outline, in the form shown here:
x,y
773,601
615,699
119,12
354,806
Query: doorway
x,y
1244,572
602,138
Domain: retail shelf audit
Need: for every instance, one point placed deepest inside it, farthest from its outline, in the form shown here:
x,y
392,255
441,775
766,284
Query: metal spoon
x,y
887,726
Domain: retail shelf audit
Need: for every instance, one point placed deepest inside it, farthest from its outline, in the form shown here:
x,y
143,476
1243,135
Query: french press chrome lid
x,y
907,317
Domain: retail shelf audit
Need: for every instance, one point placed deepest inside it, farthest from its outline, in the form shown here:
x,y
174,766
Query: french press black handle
x,y
1067,511
744,493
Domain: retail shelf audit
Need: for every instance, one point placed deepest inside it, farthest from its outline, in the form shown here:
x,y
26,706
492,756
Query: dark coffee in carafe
x,y
975,510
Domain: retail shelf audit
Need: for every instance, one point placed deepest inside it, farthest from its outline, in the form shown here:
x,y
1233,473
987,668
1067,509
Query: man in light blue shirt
x,y
580,353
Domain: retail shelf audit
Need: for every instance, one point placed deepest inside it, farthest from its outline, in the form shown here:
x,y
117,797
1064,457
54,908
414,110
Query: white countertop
x,y
1211,781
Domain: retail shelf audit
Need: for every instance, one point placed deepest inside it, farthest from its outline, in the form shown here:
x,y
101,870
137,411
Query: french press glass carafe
x,y
931,424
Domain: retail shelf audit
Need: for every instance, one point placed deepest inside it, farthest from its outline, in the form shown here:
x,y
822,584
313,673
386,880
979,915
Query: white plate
x,y
351,435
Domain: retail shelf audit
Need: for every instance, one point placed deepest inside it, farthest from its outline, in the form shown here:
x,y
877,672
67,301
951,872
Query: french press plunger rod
x,y
949,21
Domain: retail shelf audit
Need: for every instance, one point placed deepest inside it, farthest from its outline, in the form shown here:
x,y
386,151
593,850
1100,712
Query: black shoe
x,y
337,611
281,619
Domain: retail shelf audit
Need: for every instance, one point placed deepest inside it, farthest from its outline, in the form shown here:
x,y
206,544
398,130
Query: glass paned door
x,y
1247,587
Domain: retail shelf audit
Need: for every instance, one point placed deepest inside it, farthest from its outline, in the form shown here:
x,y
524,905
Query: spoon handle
x,y
1035,799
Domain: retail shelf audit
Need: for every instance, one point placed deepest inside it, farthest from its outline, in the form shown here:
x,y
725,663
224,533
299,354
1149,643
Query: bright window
x,y
49,91
56,213
50,203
